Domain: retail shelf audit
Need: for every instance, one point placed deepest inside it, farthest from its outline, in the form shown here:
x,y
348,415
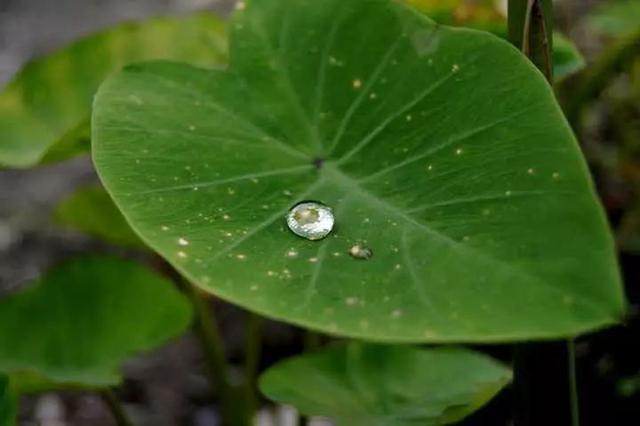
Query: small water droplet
x,y
359,251
310,220
164,227
241,257
459,151
396,314
357,83
182,254
183,241
555,175
531,171
455,68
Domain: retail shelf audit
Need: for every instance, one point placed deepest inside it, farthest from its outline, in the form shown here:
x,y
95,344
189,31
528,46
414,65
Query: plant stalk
x,y
312,341
573,383
252,347
117,410
206,328
530,30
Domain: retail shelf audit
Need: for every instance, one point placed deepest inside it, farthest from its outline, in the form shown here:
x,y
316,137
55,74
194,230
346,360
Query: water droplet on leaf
x,y
310,220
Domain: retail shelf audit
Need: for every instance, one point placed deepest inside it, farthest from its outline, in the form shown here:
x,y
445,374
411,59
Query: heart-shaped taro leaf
x,y
45,110
386,385
80,321
441,150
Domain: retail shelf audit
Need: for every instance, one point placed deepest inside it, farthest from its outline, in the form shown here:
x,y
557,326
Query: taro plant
x,y
350,167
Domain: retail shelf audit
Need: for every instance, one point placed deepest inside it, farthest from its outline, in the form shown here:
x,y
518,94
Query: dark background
x,y
168,387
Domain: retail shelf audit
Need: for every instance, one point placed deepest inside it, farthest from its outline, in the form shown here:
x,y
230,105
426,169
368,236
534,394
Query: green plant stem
x,y
573,383
312,341
117,410
593,81
530,27
252,349
205,326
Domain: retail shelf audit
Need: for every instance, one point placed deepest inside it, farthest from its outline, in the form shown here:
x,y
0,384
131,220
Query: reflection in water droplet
x,y
310,220
359,251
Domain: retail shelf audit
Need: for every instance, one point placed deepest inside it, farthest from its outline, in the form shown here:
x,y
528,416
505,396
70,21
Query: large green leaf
x,y
441,149
82,319
7,402
91,210
386,385
49,101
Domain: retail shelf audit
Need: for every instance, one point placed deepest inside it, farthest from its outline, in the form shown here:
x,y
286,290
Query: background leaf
x,y
7,402
386,385
567,59
616,18
50,99
80,321
91,210
466,183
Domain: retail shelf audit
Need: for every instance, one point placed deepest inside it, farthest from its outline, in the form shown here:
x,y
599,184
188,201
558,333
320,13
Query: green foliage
x,y
7,402
83,318
49,101
616,18
567,59
362,385
466,183
91,210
